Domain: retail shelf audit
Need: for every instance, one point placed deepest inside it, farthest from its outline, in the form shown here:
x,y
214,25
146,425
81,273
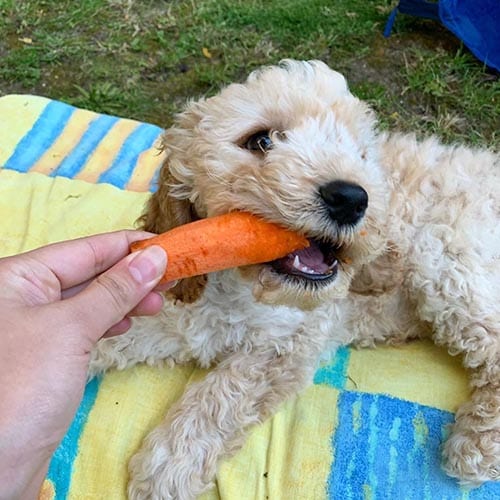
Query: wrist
x,y
22,473
23,461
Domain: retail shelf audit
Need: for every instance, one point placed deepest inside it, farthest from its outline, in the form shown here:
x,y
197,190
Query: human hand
x,y
56,302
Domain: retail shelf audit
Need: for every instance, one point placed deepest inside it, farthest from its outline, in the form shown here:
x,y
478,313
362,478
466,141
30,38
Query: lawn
x,y
144,59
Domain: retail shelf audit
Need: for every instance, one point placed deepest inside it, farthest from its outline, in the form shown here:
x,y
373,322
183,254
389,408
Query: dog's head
x,y
293,146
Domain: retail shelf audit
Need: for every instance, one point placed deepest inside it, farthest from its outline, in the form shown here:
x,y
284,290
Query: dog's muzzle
x,y
345,204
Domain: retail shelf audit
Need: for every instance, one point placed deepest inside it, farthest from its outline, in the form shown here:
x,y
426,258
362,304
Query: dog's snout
x,y
346,202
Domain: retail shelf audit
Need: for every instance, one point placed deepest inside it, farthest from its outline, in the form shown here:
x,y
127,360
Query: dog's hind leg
x,y
179,458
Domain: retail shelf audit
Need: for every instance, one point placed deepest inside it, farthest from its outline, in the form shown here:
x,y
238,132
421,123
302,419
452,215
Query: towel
x,y
371,425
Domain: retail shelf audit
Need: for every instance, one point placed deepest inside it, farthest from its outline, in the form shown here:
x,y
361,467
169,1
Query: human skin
x,y
56,302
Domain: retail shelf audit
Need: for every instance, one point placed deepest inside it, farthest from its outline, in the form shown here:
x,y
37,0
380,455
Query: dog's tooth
x,y
302,267
308,270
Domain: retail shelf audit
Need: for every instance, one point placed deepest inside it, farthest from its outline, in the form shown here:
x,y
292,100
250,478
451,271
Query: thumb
x,y
113,294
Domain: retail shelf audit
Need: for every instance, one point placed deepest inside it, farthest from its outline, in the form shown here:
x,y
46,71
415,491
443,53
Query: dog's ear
x,y
164,212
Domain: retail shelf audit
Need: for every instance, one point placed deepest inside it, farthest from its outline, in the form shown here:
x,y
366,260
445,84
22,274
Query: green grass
x,y
144,59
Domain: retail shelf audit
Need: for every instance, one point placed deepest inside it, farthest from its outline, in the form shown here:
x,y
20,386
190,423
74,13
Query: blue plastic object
x,y
475,22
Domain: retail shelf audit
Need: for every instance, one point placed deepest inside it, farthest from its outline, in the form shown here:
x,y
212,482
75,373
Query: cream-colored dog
x,y
405,242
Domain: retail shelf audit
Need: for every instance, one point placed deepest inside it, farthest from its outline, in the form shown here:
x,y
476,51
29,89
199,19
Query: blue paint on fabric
x,y
40,137
386,448
334,374
120,171
61,465
78,157
153,185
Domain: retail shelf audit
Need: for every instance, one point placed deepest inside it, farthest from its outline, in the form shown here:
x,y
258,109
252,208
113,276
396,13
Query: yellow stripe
x,y
149,161
19,113
66,142
288,456
36,209
104,154
410,372
293,448
129,404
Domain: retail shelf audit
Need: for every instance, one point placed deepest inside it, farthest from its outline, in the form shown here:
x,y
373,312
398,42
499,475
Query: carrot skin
x,y
230,240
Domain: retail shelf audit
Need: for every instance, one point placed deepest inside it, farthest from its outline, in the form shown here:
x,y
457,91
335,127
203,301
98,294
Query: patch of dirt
x,y
388,55
410,106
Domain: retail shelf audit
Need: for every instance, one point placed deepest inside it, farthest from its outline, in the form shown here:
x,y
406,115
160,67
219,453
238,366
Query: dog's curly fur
x,y
423,259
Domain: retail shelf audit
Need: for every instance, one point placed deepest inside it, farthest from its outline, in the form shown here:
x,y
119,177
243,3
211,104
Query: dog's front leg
x,y
453,279
179,458
472,452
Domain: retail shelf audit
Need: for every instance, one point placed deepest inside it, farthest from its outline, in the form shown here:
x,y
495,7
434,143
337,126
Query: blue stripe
x,y
334,374
141,139
351,484
61,465
373,449
386,448
42,135
153,185
75,161
396,463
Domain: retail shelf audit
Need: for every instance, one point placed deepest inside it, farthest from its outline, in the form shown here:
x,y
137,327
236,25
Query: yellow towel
x,y
369,427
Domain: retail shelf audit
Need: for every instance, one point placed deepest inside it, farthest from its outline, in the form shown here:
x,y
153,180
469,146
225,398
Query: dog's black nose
x,y
346,202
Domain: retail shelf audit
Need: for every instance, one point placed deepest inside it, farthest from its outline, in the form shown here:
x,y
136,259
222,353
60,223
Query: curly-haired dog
x,y
405,242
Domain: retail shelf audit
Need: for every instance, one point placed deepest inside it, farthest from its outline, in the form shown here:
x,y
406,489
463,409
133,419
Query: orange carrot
x,y
230,240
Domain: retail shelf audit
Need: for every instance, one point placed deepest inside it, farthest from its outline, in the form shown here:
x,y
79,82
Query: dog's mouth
x,y
316,263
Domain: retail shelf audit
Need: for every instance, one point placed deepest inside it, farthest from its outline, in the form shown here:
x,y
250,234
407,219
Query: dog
x,y
404,243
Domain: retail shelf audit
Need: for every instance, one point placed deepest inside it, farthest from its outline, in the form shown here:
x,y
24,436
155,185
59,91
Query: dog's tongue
x,y
310,260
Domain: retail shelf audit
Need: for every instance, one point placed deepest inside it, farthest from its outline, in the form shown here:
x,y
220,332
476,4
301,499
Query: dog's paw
x,y
157,472
473,457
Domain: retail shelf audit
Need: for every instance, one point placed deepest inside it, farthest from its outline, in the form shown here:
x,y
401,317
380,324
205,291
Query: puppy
x,y
404,243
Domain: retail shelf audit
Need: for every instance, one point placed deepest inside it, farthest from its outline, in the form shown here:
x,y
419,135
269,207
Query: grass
x,y
144,59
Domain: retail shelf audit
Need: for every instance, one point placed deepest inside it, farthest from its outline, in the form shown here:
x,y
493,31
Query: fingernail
x,y
163,287
148,265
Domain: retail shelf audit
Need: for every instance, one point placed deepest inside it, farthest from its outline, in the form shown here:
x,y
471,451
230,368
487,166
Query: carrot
x,y
231,240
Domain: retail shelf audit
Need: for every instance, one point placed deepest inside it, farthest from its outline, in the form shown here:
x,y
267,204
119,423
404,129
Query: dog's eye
x,y
259,142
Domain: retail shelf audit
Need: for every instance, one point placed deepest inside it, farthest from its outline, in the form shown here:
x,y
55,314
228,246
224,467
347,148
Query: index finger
x,y
79,260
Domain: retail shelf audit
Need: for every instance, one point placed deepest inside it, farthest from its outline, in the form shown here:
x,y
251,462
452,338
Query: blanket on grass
x,y
371,425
